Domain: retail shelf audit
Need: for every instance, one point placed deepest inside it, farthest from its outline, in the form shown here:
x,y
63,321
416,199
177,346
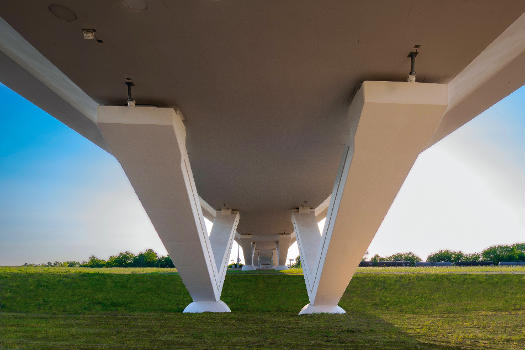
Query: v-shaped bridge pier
x,y
392,122
150,144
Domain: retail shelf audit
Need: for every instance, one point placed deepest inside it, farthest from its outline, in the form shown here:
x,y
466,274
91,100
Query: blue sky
x,y
63,198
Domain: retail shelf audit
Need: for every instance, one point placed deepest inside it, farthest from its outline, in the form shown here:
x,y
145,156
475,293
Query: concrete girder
x,y
149,143
393,118
495,73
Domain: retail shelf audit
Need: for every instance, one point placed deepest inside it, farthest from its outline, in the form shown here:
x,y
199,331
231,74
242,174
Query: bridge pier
x,y
391,123
150,144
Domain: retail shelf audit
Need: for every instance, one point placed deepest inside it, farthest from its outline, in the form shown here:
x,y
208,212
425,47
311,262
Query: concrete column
x,y
275,257
247,250
150,145
309,242
392,122
256,263
282,249
221,240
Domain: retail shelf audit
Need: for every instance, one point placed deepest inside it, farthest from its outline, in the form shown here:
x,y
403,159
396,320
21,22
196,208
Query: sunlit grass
x,y
140,308
292,271
68,270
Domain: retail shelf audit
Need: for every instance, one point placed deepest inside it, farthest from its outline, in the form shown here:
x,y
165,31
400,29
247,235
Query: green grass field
x,y
139,308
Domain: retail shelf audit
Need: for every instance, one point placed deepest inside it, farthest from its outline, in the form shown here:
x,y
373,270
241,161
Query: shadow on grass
x,y
205,331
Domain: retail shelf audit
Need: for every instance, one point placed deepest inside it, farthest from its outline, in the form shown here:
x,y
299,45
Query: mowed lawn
x,y
387,308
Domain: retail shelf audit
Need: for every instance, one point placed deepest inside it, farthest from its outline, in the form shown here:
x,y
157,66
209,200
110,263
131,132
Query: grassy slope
x,y
131,270
66,308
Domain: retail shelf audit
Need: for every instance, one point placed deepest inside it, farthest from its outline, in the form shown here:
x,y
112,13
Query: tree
x,y
410,257
446,256
376,258
165,261
147,258
469,258
124,259
498,253
297,263
94,262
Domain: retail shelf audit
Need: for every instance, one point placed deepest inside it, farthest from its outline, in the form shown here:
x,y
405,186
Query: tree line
x,y
494,254
147,258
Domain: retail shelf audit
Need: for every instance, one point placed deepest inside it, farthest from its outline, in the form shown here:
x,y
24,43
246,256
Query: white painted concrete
x,y
221,240
255,259
387,118
309,242
283,244
13,45
207,210
150,145
321,209
275,258
496,72
206,306
321,309
25,70
247,249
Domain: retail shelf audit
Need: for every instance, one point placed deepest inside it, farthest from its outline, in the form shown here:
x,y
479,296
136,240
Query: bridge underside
x,y
264,118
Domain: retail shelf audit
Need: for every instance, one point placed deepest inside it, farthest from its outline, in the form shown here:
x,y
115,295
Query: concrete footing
x,y
207,306
248,268
281,267
321,309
